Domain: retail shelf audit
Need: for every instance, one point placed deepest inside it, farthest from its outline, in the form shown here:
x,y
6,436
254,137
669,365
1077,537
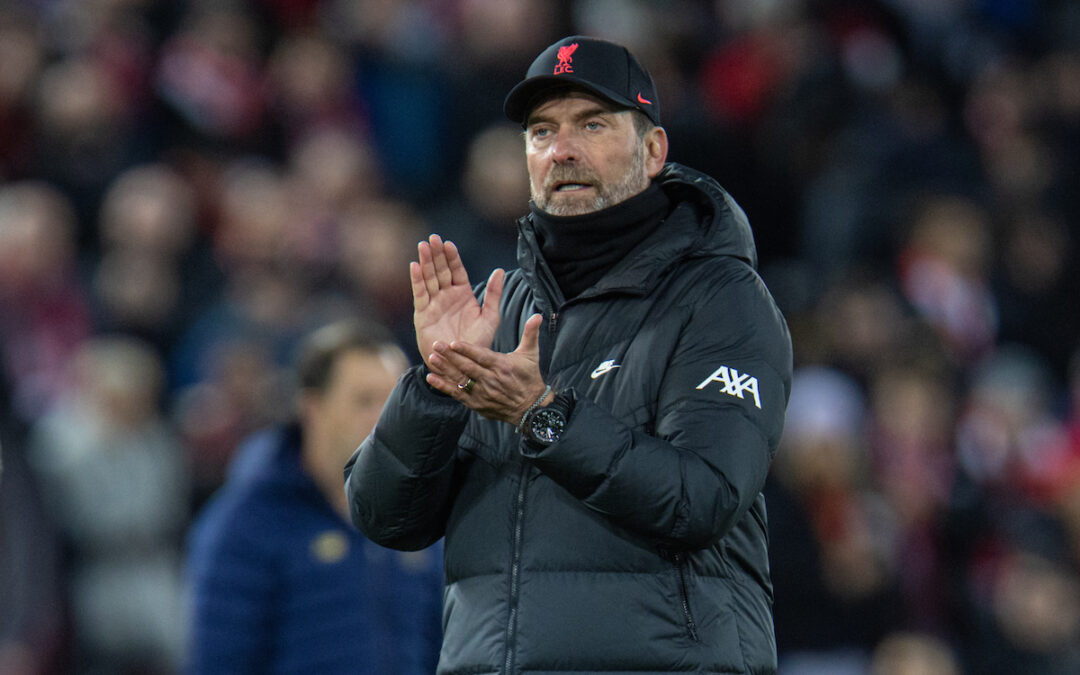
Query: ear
x,y
656,148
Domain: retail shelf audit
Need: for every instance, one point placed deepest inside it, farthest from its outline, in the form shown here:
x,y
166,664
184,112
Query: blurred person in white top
x,y
115,482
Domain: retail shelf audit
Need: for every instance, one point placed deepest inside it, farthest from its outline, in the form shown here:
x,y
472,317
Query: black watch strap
x,y
563,402
542,426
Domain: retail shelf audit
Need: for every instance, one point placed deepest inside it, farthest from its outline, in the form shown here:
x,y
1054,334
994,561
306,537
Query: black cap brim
x,y
523,96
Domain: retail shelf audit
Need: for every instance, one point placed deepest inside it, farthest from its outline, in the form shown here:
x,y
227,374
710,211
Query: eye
x,y
593,125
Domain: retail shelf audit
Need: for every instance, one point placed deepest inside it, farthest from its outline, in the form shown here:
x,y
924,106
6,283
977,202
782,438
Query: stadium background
x,y
188,187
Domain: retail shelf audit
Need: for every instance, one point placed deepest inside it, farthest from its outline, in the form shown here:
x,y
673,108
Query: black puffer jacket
x,y
636,543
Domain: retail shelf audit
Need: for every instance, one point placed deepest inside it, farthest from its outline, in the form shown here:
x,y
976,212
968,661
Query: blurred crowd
x,y
188,188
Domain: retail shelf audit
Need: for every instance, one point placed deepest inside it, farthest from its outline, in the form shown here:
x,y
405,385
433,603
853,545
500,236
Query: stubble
x,y
634,181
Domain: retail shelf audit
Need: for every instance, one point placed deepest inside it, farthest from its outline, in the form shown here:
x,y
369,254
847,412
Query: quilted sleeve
x,y
399,480
719,415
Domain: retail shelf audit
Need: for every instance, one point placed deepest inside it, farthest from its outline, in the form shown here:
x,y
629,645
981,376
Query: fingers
x,y
488,394
442,365
461,354
438,259
530,337
444,384
427,266
458,275
466,357
493,291
419,289
452,386
440,264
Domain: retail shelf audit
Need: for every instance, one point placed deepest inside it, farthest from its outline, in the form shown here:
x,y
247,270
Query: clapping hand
x,y
444,307
503,386
454,333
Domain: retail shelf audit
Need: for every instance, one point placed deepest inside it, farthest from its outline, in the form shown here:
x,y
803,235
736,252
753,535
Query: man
x,y
280,581
591,432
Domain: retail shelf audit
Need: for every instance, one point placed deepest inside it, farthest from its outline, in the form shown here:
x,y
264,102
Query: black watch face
x,y
547,426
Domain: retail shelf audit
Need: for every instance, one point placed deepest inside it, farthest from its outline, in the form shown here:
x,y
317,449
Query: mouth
x,y
571,187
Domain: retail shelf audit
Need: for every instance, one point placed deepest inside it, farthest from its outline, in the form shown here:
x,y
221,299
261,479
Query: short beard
x,y
634,181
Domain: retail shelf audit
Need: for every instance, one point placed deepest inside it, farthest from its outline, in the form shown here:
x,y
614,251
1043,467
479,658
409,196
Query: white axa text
x,y
734,383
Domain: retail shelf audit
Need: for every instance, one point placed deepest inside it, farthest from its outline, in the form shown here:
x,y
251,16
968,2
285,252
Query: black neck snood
x,y
581,249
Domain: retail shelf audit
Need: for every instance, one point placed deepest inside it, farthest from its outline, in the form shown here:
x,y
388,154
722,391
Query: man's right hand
x,y
444,307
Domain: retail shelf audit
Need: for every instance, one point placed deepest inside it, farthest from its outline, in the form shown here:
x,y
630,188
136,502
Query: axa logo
x,y
565,56
603,368
734,383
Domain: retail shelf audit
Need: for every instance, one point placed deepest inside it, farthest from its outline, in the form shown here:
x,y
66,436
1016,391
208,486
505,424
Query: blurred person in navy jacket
x,y
279,581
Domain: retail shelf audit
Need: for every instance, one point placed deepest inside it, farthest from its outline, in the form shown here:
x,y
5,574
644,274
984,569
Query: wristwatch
x,y
544,425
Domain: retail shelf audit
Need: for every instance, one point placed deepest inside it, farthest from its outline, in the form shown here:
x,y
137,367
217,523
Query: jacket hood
x,y
725,229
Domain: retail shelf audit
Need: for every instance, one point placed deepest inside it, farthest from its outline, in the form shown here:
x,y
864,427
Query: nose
x,y
565,148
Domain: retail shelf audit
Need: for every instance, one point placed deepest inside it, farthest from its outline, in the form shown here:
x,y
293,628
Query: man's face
x,y
346,412
583,155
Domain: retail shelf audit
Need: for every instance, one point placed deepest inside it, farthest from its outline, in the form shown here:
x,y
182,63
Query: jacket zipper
x,y
684,595
515,570
553,322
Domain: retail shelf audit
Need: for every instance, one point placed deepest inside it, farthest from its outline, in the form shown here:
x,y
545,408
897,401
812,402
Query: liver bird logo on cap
x,y
565,57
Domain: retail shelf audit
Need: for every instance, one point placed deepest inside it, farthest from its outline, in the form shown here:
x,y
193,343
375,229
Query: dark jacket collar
x,y
704,221
580,250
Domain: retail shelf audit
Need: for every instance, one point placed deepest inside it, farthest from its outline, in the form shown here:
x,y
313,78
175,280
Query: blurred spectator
x,y
45,313
331,169
832,537
227,365
864,160
1066,495
310,85
335,166
858,323
481,219
1003,112
85,135
22,56
280,581
1010,444
397,52
744,74
1034,280
235,396
905,653
113,476
1006,539
1025,614
147,228
944,271
253,223
490,41
912,467
266,276
150,209
32,620
376,242
208,75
